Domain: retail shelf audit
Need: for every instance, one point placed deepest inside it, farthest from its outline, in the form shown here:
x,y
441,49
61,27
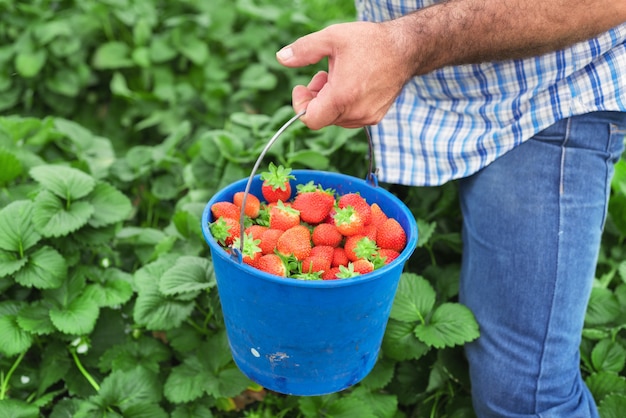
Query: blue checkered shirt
x,y
454,121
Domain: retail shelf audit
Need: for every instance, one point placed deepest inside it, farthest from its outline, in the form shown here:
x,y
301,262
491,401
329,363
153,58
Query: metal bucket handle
x,y
237,253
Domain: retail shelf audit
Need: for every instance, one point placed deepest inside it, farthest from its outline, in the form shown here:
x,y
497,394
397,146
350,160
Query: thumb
x,y
307,50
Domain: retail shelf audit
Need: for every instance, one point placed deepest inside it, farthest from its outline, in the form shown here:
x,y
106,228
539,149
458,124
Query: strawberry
x,y
349,221
269,240
256,231
272,264
226,210
313,203
330,274
370,231
378,216
225,230
358,203
315,263
253,204
339,257
283,217
276,184
327,234
363,266
360,247
388,255
391,235
295,241
324,251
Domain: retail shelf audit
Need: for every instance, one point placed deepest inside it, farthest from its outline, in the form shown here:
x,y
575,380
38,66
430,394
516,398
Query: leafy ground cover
x,y
119,119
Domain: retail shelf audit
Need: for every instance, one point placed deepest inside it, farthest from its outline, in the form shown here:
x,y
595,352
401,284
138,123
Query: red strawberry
x,y
327,234
358,203
339,257
225,210
295,241
251,251
314,204
360,246
315,263
283,217
363,266
330,274
276,185
273,264
378,216
388,254
370,231
256,231
225,230
253,204
269,240
324,251
391,235
349,221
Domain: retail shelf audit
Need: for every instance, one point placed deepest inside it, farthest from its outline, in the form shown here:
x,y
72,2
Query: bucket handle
x,y
237,253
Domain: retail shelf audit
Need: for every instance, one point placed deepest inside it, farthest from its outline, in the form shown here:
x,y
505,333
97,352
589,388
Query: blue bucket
x,y
307,337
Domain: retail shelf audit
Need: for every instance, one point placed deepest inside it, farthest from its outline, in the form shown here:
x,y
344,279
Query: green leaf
x,y
311,159
426,230
66,182
189,274
53,219
400,342
112,290
192,411
110,205
612,406
17,233
381,374
65,408
603,307
78,317
145,410
44,269
146,352
605,383
382,404
34,318
14,339
15,408
11,166
608,356
451,324
194,49
29,64
257,77
158,312
414,300
187,381
10,263
232,382
127,389
350,407
112,55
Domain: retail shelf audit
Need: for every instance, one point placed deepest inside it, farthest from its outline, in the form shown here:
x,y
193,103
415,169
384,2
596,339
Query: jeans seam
x,y
568,128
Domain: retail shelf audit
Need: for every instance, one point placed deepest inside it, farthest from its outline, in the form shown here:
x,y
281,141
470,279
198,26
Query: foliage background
x,y
118,120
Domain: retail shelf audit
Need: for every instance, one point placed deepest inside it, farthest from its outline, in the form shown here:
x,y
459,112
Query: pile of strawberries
x,y
317,235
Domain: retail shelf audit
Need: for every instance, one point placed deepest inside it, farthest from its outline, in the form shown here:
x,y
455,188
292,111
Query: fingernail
x,y
285,53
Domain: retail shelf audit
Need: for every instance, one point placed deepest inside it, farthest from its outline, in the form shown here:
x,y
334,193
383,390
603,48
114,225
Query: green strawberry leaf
x,y
612,406
189,274
146,352
127,390
451,324
55,363
17,233
231,382
187,381
193,410
380,376
14,339
65,182
10,263
604,383
52,218
77,317
112,288
35,318
400,342
414,300
603,307
426,230
110,205
350,407
11,166
609,356
45,269
159,312
382,404
15,408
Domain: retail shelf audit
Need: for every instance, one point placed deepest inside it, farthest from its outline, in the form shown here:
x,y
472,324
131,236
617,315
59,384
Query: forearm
x,y
472,31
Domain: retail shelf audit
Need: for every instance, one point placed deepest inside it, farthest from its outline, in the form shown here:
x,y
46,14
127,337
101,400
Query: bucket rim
x,y
219,251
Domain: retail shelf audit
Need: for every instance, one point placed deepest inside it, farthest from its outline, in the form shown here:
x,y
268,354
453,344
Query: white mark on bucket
x,y
254,352
278,356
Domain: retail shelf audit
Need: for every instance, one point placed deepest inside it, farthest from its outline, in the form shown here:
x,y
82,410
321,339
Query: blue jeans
x,y
533,221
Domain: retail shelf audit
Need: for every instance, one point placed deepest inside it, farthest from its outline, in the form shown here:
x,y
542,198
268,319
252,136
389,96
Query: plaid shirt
x,y
454,121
